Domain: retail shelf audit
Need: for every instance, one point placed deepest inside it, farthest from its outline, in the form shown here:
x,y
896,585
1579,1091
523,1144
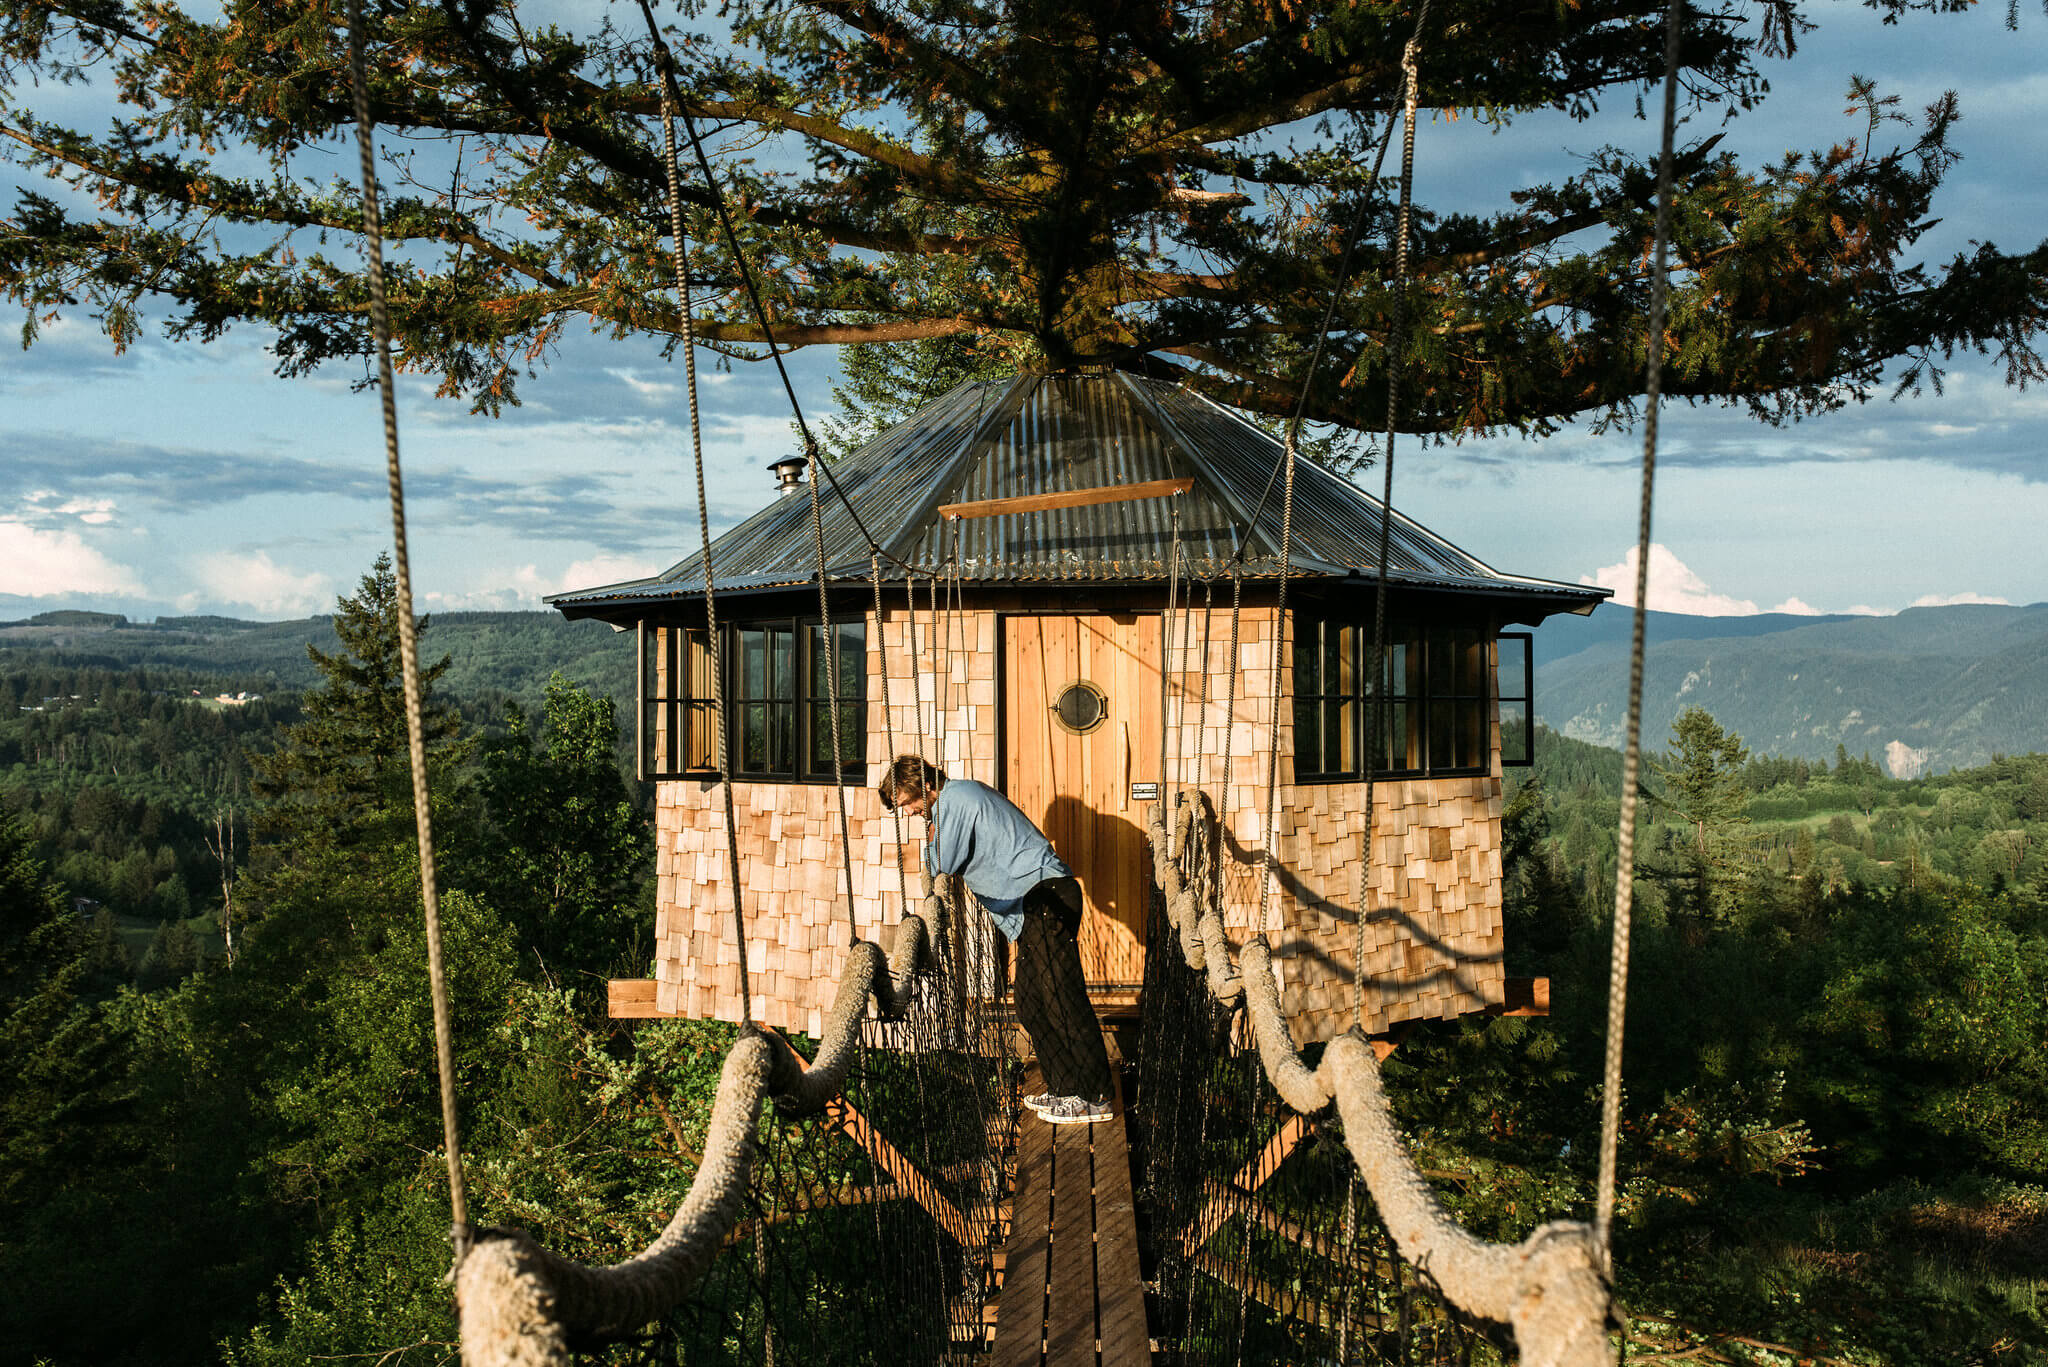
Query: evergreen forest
x,y
217,1107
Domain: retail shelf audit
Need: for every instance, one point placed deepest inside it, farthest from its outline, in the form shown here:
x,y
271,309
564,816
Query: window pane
x,y
1340,734
1516,737
1441,718
1394,751
1436,668
852,725
1308,657
1471,664
753,663
853,659
1337,658
754,738
1308,737
1512,669
1468,725
782,738
700,750
821,738
782,662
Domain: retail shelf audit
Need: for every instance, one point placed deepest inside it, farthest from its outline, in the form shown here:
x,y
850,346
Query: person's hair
x,y
908,777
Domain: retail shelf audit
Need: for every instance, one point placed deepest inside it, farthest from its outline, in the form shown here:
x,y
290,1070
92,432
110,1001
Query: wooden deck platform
x,y
1071,1292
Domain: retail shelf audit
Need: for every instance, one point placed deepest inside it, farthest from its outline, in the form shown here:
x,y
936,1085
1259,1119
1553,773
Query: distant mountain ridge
x,y
490,653
1929,689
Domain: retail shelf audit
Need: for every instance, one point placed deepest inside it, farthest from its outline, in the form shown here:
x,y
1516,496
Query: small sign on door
x,y
1144,792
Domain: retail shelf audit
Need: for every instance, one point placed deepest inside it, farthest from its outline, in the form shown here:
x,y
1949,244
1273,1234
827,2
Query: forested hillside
x,y
217,1154
492,655
127,750
1836,1127
1926,690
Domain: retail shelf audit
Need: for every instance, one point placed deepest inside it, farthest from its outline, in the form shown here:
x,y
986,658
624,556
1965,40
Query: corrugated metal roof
x,y
1036,434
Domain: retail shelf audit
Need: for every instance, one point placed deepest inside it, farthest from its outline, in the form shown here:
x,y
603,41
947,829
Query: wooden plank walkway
x,y
1071,1292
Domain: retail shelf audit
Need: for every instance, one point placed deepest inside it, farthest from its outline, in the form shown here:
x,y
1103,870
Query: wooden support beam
x,y
1524,997
1249,1178
631,999
1287,1303
1311,1241
804,1205
901,1170
1067,498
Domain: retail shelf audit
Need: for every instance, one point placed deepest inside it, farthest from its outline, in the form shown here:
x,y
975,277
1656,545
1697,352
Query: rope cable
x,y
1337,293
1230,675
1269,869
714,640
1166,626
1379,677
889,729
1207,669
408,643
1290,458
1624,868
664,62
832,694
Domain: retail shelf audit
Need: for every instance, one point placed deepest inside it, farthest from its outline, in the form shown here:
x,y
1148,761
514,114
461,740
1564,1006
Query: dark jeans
x,y
1052,996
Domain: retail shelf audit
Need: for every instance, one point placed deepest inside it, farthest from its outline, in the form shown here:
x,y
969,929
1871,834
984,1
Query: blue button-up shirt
x,y
981,836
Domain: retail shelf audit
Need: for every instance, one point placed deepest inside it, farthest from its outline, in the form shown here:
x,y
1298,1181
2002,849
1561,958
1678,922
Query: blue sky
x,y
188,479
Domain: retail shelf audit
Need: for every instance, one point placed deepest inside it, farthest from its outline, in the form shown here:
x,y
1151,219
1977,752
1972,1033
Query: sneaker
x,y
1038,1101
1074,1110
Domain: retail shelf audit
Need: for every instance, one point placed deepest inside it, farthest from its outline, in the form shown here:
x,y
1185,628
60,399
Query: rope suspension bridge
x,y
876,1197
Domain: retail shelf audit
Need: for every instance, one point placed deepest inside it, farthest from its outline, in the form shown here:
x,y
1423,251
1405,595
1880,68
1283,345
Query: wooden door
x,y
1081,702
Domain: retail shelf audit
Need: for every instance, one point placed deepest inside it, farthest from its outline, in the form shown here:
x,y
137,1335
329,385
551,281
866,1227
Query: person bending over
x,y
976,833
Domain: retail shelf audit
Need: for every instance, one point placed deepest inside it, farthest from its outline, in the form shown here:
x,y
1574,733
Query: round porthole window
x,y
1080,707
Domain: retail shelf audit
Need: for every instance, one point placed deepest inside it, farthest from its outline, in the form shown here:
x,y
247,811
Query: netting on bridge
x,y
1242,1132
846,1210
1261,1240
866,1235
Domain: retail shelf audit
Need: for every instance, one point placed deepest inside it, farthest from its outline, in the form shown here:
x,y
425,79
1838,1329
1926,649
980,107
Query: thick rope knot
x,y
1561,1312
507,1304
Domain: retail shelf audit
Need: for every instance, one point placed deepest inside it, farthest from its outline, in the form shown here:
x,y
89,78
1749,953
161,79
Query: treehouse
x,y
1058,560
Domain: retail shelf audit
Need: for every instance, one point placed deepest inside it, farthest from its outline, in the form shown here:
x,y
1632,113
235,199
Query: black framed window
x,y
853,712
1514,673
677,717
764,698
778,689
1432,690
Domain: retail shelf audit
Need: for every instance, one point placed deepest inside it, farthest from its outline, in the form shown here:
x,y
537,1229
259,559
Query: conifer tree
x,y
336,827
1699,781
55,1057
569,854
1161,187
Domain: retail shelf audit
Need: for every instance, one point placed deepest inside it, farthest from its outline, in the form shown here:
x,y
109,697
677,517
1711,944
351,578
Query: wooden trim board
x,y
1067,498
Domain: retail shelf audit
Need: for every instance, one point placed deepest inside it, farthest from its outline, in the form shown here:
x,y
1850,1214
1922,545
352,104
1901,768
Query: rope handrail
x,y
522,1305
1552,1289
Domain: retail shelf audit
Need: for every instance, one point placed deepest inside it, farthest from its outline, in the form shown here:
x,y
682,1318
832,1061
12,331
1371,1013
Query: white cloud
x,y
1673,586
1796,606
48,505
1865,610
1949,600
256,581
646,389
521,589
35,563
604,569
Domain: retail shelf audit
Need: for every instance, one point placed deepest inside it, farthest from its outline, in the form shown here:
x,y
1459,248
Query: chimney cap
x,y
789,473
